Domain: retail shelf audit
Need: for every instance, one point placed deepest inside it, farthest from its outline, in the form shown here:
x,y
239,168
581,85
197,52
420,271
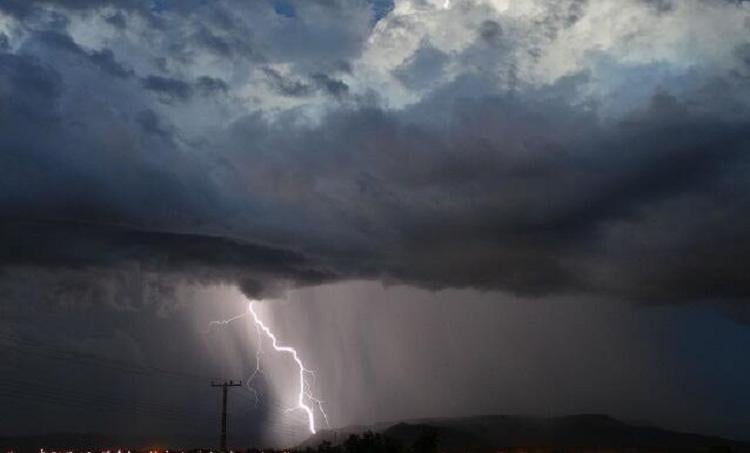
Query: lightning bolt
x,y
306,400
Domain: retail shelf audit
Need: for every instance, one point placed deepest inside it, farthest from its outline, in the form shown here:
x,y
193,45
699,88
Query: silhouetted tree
x,y
720,449
370,442
426,442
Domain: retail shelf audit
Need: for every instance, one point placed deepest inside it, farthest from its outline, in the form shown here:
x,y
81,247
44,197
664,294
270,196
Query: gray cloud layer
x,y
285,164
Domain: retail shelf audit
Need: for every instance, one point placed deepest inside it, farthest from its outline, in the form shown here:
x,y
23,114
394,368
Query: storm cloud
x,y
334,142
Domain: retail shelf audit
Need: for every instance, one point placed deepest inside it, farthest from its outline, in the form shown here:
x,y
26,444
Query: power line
x,y
25,390
119,365
94,405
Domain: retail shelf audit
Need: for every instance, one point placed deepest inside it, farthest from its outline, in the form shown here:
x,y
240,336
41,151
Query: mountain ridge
x,y
580,432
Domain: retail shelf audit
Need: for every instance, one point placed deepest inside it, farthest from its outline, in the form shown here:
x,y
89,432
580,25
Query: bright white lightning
x,y
304,387
305,393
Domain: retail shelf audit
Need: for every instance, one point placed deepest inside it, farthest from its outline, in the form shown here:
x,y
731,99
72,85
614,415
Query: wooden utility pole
x,y
224,386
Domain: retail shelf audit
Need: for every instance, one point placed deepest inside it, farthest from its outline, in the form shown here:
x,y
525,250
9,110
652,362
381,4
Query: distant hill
x,y
588,432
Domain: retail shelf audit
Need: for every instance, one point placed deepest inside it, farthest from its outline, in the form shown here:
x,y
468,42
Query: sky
x,y
450,207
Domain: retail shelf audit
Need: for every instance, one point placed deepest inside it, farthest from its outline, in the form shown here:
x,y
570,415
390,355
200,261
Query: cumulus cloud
x,y
533,147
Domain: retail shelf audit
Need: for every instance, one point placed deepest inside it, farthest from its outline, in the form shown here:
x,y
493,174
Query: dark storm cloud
x,y
490,31
662,6
330,85
472,186
560,16
117,20
422,68
67,244
285,85
38,85
520,195
167,88
81,210
82,251
103,59
152,124
297,87
211,85
25,8
227,45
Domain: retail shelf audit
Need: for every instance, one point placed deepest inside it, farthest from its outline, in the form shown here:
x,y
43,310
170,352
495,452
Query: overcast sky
x,y
451,206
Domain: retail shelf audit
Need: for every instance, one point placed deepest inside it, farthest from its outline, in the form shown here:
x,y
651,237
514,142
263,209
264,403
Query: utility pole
x,y
224,386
